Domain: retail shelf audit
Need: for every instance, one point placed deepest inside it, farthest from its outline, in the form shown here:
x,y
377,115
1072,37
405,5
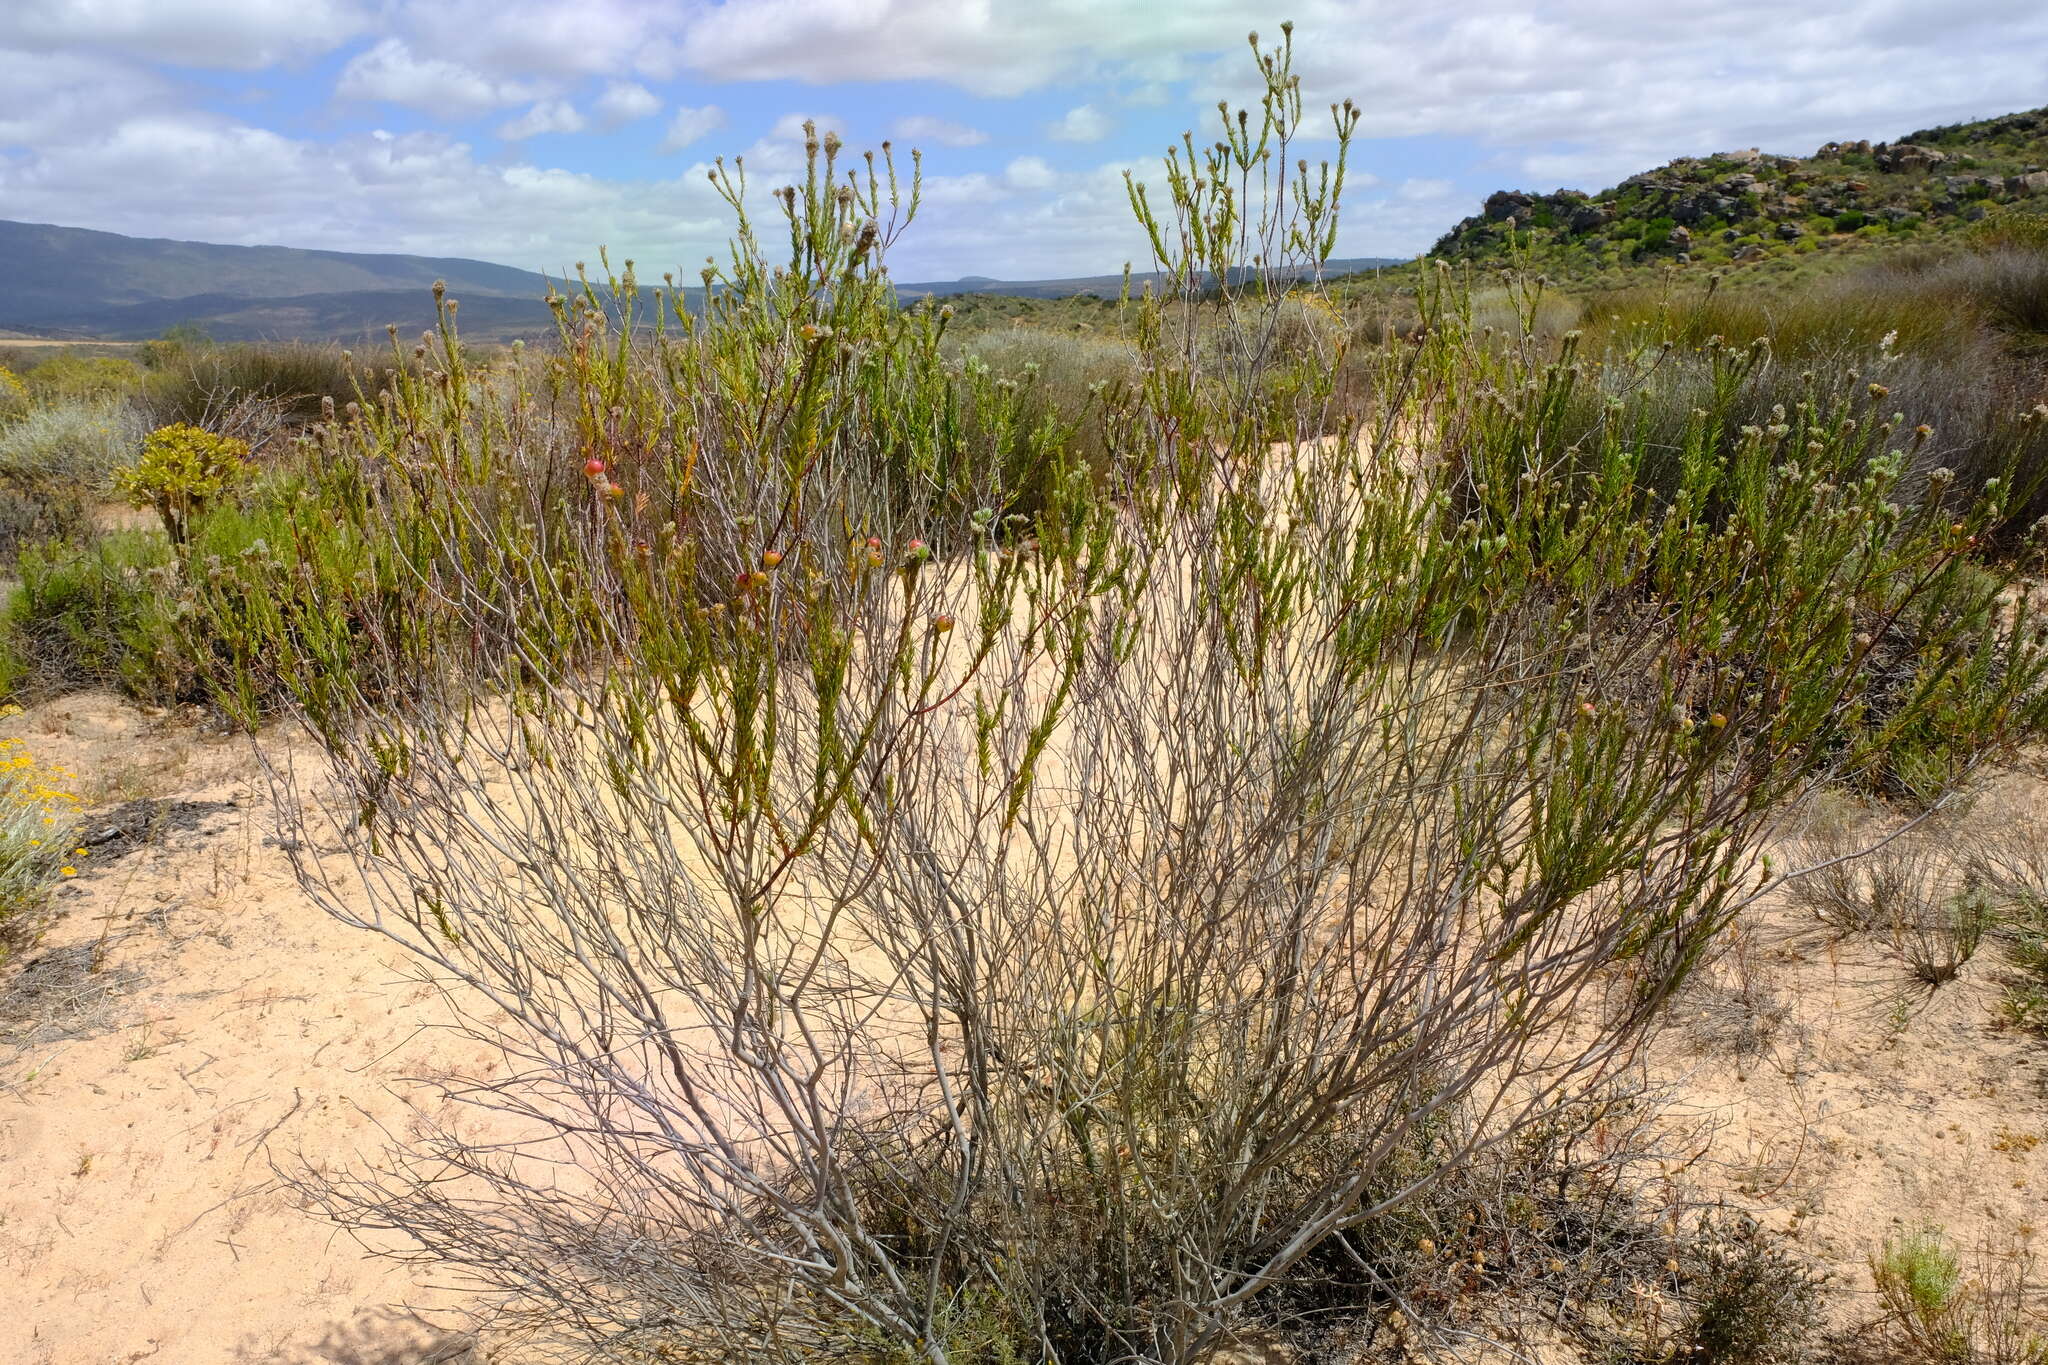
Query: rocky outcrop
x,y
1906,157
1502,205
1718,207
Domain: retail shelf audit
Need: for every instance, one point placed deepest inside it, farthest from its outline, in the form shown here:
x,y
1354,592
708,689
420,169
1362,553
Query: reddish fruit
x,y
874,542
942,624
760,580
593,466
1717,720
1586,708
613,491
770,558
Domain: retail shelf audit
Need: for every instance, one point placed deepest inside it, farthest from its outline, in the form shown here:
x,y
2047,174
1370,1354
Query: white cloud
x,y
790,127
1574,92
393,73
47,98
923,129
626,102
241,34
551,40
1084,123
690,125
780,151
548,116
980,46
1602,90
1424,189
1029,173
406,192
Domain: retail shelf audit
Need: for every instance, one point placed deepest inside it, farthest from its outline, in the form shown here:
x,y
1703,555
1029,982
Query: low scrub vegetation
x,y
38,821
212,386
55,466
1944,1306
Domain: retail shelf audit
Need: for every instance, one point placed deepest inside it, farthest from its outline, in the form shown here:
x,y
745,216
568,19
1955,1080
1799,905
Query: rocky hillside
x,y
1749,205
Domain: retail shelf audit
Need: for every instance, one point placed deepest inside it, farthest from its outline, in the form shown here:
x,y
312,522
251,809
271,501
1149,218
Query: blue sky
x,y
532,132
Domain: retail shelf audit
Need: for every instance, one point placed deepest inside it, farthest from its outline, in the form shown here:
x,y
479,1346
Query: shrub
x,y
1043,404
1945,1311
1754,1301
2007,286
13,396
928,922
55,465
80,443
175,343
41,514
1920,886
97,617
285,590
1920,1281
2009,860
1674,429
1937,940
2010,228
182,471
201,385
68,377
38,819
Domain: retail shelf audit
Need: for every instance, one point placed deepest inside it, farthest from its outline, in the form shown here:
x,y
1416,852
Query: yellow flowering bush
x,y
38,827
183,468
13,395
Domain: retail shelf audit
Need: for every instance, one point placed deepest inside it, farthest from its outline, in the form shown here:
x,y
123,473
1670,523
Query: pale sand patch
x,y
1873,1105
140,1218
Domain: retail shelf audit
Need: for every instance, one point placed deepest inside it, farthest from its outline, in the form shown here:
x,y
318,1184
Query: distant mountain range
x,y
73,282
1103,286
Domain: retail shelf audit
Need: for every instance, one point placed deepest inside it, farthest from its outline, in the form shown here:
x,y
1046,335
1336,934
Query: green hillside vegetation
x,y
1757,210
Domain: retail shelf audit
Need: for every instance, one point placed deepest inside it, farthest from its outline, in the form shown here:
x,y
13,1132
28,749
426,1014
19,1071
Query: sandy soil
x,y
1850,1101
191,1019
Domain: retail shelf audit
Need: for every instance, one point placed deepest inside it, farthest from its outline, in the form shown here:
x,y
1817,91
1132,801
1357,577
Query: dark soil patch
x,y
64,993
135,824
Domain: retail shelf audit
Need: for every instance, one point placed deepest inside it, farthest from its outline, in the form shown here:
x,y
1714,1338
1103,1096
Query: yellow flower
x,y
35,843
79,852
68,871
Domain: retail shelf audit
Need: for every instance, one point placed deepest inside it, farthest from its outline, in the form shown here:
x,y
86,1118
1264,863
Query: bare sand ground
x,y
1852,1102
191,1018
